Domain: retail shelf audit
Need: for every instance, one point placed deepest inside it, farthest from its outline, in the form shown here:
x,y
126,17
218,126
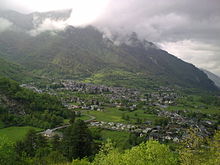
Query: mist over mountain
x,y
32,21
46,46
213,77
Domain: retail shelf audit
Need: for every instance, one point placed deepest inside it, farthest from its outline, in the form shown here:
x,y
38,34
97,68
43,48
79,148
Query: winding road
x,y
65,126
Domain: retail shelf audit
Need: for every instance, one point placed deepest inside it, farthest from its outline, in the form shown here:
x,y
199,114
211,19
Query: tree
x,y
149,153
197,150
56,143
214,150
7,153
31,143
72,117
27,145
77,141
108,155
55,157
135,139
81,162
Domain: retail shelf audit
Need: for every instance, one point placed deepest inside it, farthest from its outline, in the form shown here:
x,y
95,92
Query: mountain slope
x,y
213,77
20,106
85,54
12,70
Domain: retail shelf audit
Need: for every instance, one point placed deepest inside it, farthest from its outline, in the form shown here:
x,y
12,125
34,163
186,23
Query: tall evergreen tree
x,y
31,143
72,117
78,141
56,143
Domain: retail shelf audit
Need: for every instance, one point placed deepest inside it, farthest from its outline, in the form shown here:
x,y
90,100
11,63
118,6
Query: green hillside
x,y
84,54
22,107
11,70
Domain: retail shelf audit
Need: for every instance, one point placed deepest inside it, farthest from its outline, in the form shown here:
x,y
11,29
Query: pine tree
x,y
78,141
72,117
56,143
31,143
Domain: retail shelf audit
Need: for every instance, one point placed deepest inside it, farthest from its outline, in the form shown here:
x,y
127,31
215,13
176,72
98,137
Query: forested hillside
x,y
20,106
13,71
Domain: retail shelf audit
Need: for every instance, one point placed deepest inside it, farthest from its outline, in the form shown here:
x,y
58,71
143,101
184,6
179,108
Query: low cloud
x,y
187,29
4,24
203,55
49,25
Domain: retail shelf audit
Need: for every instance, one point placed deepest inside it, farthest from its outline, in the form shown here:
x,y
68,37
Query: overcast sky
x,y
189,29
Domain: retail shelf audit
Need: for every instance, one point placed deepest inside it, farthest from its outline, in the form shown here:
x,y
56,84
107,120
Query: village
x,y
170,125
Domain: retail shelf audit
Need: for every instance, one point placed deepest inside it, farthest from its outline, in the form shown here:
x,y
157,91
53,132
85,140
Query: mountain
x,y
12,70
213,77
85,54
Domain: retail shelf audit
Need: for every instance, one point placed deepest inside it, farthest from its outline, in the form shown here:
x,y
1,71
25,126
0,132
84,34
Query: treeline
x,y
25,107
78,147
77,142
210,100
41,120
31,100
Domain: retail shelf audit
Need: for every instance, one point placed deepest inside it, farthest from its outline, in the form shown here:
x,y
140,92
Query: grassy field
x,y
115,115
16,133
118,137
108,115
83,117
193,103
141,115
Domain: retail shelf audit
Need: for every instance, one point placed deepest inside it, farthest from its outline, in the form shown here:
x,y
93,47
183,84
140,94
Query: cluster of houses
x,y
180,122
84,87
110,96
162,98
128,99
116,97
112,93
104,96
174,130
153,132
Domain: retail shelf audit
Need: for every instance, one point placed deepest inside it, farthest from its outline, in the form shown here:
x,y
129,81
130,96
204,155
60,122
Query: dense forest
x,y
20,106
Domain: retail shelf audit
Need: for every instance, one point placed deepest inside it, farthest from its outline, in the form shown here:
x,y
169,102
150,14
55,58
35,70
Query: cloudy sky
x,y
189,29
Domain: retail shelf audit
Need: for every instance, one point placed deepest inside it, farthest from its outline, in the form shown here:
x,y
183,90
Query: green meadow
x,y
16,133
115,115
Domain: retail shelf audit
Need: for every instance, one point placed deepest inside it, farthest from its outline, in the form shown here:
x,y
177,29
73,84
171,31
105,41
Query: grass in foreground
x,y
16,133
